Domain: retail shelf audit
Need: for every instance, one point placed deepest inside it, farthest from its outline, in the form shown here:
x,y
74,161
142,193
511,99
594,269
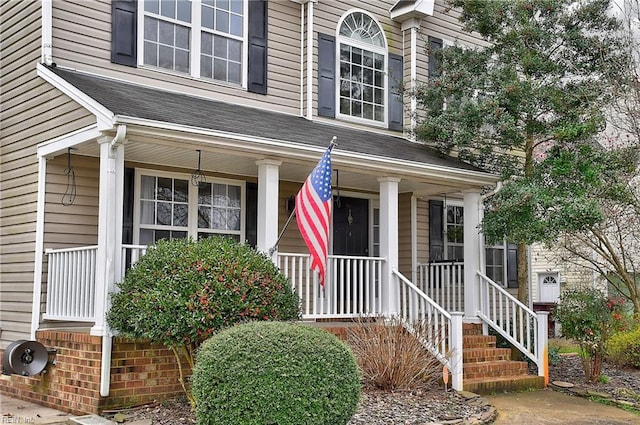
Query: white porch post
x,y
110,198
389,243
472,252
268,181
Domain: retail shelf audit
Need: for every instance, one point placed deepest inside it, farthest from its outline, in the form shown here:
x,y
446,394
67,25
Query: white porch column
x,y
389,243
110,199
472,252
268,182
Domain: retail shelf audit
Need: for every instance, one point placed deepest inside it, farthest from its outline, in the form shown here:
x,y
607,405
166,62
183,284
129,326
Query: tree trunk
x,y
523,274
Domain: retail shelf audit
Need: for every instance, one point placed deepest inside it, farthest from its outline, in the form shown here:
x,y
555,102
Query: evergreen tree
x,y
541,80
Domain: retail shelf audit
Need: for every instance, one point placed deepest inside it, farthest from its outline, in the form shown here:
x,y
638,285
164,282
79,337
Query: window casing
x,y
361,92
201,38
168,206
495,255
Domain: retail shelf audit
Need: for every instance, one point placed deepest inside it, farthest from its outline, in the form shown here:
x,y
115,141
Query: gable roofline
x,y
406,9
103,115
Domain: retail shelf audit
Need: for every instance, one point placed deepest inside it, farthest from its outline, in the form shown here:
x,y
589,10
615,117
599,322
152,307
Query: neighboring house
x,y
111,109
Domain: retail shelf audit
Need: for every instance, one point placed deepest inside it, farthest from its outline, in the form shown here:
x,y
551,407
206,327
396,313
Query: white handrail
x,y
522,327
439,331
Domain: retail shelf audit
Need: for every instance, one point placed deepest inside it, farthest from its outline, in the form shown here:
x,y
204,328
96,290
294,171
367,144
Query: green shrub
x,y
624,348
271,373
181,292
588,317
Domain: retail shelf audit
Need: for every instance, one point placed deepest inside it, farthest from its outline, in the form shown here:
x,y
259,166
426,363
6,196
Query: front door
x,y
350,238
351,226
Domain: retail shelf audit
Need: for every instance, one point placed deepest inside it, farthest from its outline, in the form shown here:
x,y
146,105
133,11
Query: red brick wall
x,y
140,373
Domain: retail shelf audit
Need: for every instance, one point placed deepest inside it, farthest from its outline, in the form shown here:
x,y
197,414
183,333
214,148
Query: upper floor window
x,y
205,38
362,56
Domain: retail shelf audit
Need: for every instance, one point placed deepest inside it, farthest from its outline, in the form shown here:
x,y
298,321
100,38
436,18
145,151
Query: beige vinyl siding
x,y
404,234
422,230
19,23
30,112
82,40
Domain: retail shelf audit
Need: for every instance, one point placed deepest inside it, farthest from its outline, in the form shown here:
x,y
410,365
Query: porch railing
x,y
71,281
352,287
522,327
443,282
439,331
71,284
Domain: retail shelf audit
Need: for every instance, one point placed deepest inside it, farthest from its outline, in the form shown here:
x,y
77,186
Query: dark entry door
x,y
351,226
350,237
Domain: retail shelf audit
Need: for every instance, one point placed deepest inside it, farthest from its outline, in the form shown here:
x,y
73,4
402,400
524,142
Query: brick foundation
x,y
140,373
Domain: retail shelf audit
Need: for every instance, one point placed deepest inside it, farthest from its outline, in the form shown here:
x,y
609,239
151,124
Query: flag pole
x,y
293,213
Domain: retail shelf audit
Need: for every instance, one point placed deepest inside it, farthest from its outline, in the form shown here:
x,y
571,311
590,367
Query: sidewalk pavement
x,y
542,407
548,407
14,411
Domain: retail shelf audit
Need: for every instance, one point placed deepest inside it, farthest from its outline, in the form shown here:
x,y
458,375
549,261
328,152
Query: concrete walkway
x,y
548,407
14,411
544,407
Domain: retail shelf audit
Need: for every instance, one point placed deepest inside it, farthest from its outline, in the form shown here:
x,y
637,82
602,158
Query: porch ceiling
x,y
166,128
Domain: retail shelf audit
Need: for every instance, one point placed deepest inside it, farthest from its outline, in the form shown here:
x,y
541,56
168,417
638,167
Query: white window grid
x,y
215,51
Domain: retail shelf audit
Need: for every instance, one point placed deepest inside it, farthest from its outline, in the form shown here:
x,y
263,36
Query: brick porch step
x,y
485,354
478,341
494,369
502,384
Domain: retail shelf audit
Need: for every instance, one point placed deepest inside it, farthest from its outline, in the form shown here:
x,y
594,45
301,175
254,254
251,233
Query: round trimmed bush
x,y
274,373
182,291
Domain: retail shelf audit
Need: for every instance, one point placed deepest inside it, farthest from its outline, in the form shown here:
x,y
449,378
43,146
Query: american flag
x,y
313,212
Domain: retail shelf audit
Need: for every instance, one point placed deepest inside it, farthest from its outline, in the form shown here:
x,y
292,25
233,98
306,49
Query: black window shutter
x,y
123,32
326,75
434,65
512,265
436,230
395,92
257,62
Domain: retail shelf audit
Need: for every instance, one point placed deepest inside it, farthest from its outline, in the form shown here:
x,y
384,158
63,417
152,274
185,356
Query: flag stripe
x,y
313,212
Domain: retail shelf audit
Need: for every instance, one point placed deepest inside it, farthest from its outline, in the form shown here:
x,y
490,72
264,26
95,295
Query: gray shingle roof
x,y
131,100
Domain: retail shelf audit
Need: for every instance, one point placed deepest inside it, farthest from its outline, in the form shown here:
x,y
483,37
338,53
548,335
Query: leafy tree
x,y
583,201
541,79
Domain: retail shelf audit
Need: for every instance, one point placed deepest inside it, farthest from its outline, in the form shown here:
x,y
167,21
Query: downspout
x,y
47,37
412,24
107,337
310,59
39,247
414,76
301,59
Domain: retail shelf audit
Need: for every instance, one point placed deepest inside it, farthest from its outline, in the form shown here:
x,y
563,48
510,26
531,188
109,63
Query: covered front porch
x,y
134,180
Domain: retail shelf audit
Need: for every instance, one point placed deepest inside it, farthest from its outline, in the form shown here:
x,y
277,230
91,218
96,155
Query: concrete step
x,y
494,369
475,355
502,384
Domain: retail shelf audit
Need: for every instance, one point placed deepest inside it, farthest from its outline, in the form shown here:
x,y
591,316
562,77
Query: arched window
x,y
362,53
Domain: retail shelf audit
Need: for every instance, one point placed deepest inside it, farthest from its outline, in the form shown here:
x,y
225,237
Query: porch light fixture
x,y
69,195
338,201
197,177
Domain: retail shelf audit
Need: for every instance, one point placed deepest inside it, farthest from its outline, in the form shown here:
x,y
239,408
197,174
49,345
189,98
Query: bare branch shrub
x,y
390,357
